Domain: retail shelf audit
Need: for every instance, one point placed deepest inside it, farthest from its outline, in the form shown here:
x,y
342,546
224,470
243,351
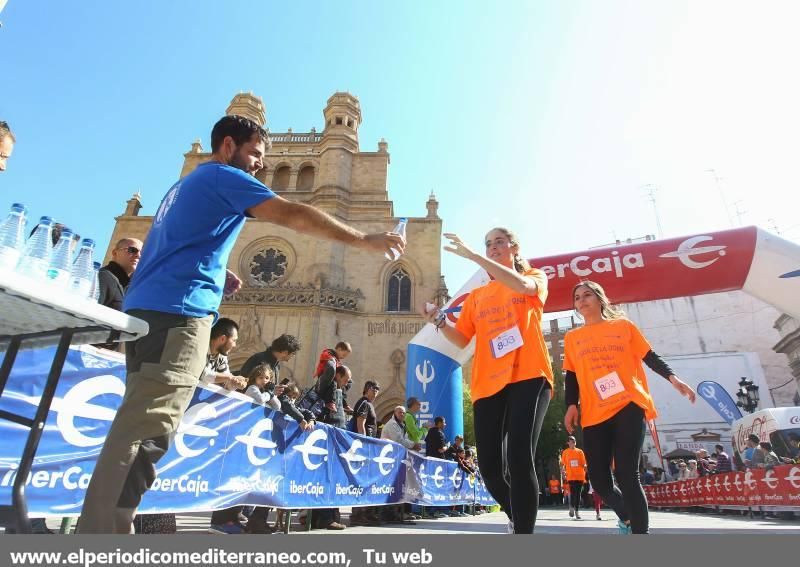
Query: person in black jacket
x,y
282,349
115,276
435,441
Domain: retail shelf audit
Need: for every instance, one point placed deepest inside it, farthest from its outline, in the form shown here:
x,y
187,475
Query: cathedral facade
x,y
324,292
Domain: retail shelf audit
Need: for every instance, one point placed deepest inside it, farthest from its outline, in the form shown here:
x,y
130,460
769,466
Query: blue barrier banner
x,y
719,399
227,450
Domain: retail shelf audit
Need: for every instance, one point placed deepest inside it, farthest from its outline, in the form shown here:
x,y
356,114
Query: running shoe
x,y
624,529
577,516
571,511
511,526
598,517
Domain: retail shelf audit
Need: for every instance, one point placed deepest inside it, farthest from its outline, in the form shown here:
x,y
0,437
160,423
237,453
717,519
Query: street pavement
x,y
553,521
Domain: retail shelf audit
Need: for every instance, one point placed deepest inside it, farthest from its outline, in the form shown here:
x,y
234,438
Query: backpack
x,y
311,401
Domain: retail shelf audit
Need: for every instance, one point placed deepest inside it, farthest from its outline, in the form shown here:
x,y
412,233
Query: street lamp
x,y
747,394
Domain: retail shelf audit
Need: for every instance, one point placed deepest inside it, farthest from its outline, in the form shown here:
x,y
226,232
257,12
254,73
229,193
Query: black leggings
x,y
575,490
507,427
620,438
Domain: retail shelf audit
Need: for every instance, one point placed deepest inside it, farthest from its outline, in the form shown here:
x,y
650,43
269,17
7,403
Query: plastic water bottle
x,y
35,259
401,230
61,264
82,277
12,237
95,295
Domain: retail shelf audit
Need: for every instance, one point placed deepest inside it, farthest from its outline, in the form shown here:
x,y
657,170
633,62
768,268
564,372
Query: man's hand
x,y
306,425
383,242
278,390
235,383
416,447
232,283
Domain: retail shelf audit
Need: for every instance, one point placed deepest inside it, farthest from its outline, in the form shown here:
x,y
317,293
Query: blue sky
x,y
547,117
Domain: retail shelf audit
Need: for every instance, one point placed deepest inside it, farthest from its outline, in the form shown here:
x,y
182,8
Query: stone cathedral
x,y
324,292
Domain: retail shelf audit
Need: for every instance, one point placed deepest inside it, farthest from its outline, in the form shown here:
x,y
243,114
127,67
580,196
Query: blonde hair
x,y
608,311
521,265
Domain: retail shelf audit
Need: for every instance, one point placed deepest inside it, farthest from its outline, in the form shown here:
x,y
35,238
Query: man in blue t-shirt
x,y
177,290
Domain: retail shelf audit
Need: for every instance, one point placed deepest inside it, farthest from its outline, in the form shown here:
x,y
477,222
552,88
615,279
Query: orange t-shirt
x,y
574,462
492,310
607,361
555,486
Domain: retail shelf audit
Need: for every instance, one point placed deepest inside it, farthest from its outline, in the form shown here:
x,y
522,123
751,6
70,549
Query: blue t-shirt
x,y
182,269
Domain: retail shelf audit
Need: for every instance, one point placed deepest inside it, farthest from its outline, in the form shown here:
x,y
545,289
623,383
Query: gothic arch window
x,y
305,180
398,291
280,180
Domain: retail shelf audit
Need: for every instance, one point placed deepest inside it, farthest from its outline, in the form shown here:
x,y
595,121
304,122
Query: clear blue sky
x,y
547,117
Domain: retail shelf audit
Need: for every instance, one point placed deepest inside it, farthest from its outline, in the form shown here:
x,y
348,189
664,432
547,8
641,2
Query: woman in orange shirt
x,y
604,375
511,374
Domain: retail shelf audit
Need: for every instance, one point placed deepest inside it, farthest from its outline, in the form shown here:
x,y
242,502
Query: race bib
x,y
506,342
573,463
609,385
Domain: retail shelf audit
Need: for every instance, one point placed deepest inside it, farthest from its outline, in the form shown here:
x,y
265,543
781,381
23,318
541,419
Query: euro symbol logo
x,y
354,460
737,483
422,476
75,403
253,441
384,461
438,478
309,448
794,477
748,480
770,480
686,251
425,375
189,426
457,478
726,484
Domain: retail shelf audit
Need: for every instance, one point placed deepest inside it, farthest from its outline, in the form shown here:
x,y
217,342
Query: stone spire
x,y
134,205
442,294
433,206
250,106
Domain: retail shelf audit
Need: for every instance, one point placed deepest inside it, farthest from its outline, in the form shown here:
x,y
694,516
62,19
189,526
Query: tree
x,y
469,419
553,437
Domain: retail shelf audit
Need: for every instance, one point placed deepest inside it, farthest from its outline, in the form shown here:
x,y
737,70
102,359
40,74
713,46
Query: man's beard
x,y
238,162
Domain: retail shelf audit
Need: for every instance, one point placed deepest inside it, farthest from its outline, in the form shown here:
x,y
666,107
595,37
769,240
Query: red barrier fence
x,y
779,486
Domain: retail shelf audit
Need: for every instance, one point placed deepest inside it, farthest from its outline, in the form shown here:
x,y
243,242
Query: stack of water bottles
x,y
37,259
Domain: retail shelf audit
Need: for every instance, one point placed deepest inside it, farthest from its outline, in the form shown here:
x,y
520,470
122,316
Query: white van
x,y
779,426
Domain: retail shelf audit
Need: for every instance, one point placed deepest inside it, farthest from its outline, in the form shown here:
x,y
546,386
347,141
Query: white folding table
x,y
35,314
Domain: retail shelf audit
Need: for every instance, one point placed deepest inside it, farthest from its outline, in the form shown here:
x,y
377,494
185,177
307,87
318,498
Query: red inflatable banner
x,y
658,269
779,486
